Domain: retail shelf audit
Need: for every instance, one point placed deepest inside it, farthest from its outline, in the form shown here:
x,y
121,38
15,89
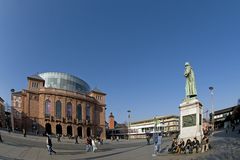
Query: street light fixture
x,y
211,92
12,119
129,111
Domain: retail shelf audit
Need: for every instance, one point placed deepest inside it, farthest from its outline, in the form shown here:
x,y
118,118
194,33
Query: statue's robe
x,y
190,87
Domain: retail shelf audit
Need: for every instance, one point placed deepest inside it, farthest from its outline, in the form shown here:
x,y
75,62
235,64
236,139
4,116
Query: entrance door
x,y
79,131
69,130
58,129
88,131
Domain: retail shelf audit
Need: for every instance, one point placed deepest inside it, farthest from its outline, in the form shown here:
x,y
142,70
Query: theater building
x,y
59,103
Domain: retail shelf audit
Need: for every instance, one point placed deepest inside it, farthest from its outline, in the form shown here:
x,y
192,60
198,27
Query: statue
x,y
190,87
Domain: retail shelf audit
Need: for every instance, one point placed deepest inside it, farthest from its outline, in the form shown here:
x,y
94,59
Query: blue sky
x,y
133,50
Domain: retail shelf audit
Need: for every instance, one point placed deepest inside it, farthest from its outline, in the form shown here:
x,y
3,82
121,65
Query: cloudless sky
x,y
134,51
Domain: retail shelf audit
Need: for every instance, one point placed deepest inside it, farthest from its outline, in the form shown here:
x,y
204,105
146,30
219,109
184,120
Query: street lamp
x,y
12,119
211,92
129,111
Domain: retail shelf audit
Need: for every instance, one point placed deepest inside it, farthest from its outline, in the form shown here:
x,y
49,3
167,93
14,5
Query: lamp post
x,y
129,111
12,119
211,92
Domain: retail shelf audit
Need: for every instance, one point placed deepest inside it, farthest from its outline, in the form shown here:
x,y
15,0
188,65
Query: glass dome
x,y
64,81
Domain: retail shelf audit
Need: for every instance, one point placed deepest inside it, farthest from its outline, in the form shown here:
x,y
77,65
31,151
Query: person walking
x,y
58,137
155,141
148,139
159,142
49,145
76,139
88,144
94,147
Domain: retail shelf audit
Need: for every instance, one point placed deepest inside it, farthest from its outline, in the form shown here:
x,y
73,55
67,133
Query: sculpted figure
x,y
190,87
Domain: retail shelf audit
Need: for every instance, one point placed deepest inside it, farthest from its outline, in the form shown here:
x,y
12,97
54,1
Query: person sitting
x,y
188,146
180,147
195,144
173,146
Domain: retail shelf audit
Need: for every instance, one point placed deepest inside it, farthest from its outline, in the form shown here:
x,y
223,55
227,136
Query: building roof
x,y
65,81
157,117
97,90
17,93
1,100
37,77
221,111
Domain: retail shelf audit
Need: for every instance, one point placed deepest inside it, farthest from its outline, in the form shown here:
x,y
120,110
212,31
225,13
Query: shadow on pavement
x,y
112,154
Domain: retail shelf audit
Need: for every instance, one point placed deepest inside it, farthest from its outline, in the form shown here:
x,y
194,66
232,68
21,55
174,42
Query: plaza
x,y
139,80
15,146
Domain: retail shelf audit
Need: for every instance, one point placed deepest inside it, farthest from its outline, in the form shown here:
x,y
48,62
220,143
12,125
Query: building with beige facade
x,y
164,124
2,113
59,103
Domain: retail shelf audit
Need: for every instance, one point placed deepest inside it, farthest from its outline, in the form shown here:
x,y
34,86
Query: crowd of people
x,y
91,143
179,146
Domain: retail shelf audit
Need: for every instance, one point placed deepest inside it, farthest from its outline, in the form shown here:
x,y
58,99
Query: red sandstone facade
x,y
111,124
86,116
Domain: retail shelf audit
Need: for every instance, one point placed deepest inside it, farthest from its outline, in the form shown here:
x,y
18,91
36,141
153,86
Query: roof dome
x,y
64,81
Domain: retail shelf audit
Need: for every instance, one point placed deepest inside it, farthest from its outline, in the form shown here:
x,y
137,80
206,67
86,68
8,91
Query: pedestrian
x,y
195,144
188,146
24,132
204,144
88,144
155,141
1,138
58,137
49,145
76,139
148,139
94,147
159,142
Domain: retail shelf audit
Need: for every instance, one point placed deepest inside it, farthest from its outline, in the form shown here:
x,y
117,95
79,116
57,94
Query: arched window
x,y
69,110
79,112
88,112
47,108
58,109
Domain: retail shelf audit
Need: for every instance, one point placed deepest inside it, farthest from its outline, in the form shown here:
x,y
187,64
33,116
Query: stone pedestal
x,y
191,119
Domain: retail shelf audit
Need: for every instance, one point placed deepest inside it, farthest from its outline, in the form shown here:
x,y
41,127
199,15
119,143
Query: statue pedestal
x,y
191,119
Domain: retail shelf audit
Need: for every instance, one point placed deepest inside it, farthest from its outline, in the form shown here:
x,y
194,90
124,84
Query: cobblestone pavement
x,y
15,146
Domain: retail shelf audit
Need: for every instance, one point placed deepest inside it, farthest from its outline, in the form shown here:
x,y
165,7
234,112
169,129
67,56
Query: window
x,y
58,109
200,119
34,85
47,108
69,110
79,112
88,112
